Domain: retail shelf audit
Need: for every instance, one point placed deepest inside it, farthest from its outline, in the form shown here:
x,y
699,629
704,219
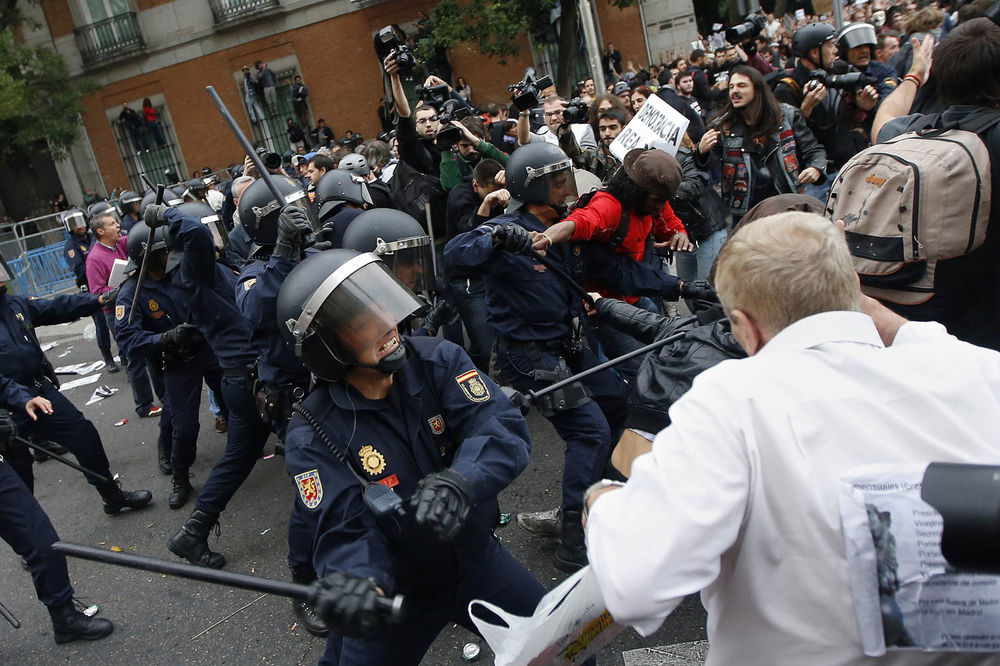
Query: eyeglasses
x,y
553,114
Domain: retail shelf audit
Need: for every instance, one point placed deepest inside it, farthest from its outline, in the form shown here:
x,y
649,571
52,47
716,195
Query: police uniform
x,y
75,251
158,312
887,77
440,414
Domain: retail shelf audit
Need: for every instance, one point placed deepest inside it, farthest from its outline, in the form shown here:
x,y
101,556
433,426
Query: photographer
x,y
457,164
553,109
600,161
840,117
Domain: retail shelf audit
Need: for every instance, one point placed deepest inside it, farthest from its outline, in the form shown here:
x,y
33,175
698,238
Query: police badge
x,y
119,312
436,423
310,488
473,386
372,460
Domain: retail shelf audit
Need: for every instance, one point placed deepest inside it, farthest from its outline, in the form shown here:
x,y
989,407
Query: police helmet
x,y
811,36
210,218
100,208
540,173
173,196
355,163
856,34
259,210
74,218
398,240
127,201
138,237
337,302
337,187
195,189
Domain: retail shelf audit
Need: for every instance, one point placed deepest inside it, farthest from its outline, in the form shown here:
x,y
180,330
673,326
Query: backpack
x,y
412,190
912,201
621,231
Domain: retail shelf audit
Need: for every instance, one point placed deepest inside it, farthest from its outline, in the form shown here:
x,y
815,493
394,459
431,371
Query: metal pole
x,y
145,258
645,33
838,15
391,607
430,232
593,46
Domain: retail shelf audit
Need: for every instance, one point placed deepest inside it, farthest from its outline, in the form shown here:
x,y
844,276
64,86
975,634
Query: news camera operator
x,y
838,105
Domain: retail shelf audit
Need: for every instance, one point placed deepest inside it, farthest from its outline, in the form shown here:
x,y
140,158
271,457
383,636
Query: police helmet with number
x,y
338,187
398,240
853,35
259,210
336,305
540,173
811,36
74,218
138,237
128,202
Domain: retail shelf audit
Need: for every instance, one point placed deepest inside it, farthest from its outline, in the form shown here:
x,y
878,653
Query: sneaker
x,y
220,424
541,523
152,412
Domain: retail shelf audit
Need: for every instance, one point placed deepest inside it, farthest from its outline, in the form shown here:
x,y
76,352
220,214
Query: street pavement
x,y
166,620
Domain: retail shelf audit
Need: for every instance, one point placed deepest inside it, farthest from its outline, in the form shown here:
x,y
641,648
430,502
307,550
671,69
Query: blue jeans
x,y
821,192
469,298
696,265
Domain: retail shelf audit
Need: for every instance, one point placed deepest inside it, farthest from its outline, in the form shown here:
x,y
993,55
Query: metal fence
x,y
33,252
150,150
272,131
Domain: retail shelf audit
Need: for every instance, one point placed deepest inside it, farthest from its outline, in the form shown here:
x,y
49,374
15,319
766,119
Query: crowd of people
x,y
389,307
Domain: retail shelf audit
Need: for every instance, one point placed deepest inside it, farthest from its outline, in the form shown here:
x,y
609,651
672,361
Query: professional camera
x,y
526,91
750,28
387,43
849,81
577,111
271,160
449,135
436,96
387,137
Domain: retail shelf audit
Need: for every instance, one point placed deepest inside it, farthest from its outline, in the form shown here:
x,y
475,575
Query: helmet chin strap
x,y
390,363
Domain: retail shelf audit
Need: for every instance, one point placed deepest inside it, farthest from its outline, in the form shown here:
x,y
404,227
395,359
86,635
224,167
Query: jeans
x,y
469,298
696,265
821,192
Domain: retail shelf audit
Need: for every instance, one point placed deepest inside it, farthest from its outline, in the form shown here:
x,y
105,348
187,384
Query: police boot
x,y
571,553
69,624
541,523
191,541
163,446
180,491
304,613
116,499
109,363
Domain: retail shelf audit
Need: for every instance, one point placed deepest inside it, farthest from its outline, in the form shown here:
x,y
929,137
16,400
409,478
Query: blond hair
x,y
786,267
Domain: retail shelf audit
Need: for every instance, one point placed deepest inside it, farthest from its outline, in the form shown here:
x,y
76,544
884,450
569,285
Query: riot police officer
x,y
856,45
398,455
341,196
128,209
75,255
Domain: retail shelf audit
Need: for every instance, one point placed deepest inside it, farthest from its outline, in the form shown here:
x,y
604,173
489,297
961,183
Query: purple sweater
x,y
99,264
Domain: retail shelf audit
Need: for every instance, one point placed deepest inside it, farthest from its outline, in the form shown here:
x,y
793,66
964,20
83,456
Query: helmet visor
x,y
5,276
74,220
558,181
411,259
859,34
215,225
300,199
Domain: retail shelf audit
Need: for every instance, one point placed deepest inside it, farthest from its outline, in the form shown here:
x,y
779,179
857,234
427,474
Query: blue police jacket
x,y
21,358
887,77
158,311
257,298
527,302
75,251
207,288
441,413
128,221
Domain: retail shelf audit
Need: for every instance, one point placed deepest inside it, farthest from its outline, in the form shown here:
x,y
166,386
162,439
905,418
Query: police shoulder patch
x,y
249,283
437,424
473,386
71,253
119,312
310,488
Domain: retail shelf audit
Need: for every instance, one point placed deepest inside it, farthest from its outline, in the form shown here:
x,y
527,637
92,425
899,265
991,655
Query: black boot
x,y
116,499
163,446
304,613
69,624
571,553
180,491
191,541
109,363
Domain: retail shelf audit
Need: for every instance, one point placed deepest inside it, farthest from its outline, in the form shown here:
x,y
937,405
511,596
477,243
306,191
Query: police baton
x,y
148,182
65,461
570,282
8,615
146,251
389,607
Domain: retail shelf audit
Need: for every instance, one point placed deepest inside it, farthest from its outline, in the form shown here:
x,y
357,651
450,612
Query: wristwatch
x,y
600,485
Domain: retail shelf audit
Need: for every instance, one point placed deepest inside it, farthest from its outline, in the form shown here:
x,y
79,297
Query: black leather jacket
x,y
666,374
697,203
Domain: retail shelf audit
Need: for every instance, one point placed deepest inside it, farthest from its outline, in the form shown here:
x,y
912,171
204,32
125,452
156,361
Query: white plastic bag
x,y
570,623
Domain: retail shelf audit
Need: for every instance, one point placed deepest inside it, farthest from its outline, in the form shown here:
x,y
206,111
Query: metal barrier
x,y
33,250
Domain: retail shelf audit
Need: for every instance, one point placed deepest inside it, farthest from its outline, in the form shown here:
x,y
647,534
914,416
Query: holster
x,y
274,403
568,397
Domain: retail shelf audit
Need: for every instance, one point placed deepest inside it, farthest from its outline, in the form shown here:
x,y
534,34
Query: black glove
x,y
442,500
347,603
698,290
512,237
154,215
109,297
8,429
180,338
293,226
440,314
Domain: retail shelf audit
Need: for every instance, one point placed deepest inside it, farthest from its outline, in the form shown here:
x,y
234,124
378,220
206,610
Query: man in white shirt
x,y
738,497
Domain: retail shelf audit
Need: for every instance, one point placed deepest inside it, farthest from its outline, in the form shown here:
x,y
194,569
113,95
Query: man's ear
x,y
747,332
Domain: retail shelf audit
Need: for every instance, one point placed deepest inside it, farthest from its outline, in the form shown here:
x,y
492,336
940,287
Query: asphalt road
x,y
162,620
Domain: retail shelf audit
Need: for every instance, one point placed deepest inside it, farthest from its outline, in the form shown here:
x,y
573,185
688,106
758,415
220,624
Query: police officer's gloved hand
x,y
698,290
347,603
442,500
179,338
440,314
293,227
109,297
324,237
512,237
154,215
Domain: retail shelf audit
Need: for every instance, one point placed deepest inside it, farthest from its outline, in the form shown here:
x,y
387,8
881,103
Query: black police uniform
x,y
440,413
158,312
75,251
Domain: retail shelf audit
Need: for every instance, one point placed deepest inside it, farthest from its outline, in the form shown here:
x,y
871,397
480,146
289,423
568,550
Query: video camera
x,y
387,137
849,81
526,91
270,159
436,96
752,26
449,135
576,112
387,43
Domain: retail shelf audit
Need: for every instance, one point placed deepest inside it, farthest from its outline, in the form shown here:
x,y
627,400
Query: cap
x,y
620,87
653,170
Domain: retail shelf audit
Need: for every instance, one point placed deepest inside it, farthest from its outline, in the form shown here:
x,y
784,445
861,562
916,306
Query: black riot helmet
x,y
196,189
173,196
74,218
148,197
398,240
138,237
540,173
336,305
128,202
100,208
210,218
259,210
812,36
338,187
856,34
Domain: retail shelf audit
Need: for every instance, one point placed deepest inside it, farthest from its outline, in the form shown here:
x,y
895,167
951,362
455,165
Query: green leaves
x,y
493,25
